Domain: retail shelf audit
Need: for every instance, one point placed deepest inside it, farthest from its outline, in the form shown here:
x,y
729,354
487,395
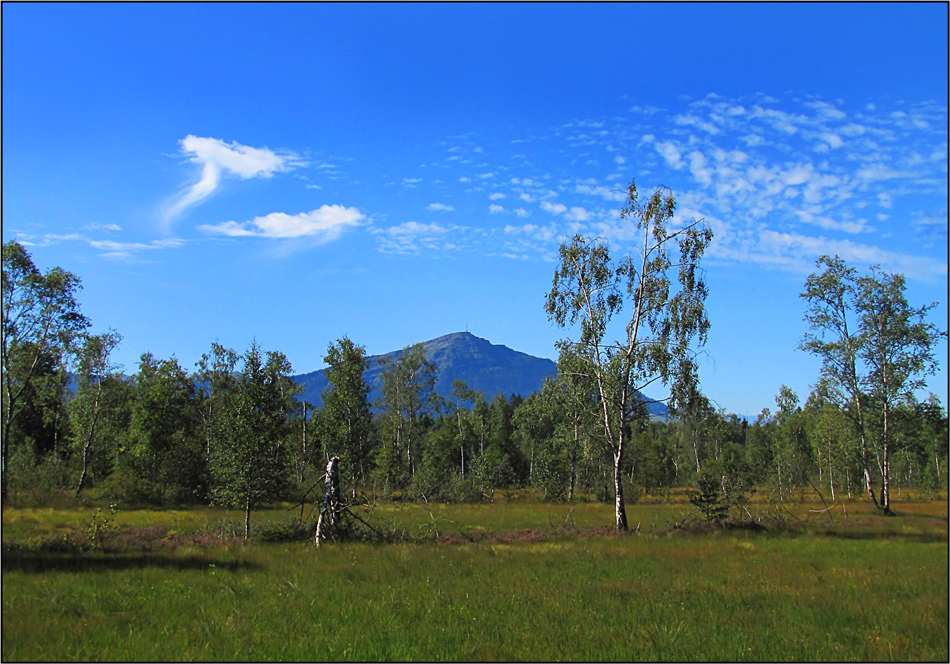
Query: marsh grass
x,y
510,581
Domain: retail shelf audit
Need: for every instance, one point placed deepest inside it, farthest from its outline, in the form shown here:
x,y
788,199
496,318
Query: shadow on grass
x,y
920,538
43,561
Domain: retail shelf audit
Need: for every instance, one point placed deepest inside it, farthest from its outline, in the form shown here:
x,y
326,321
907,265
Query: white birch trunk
x,y
328,510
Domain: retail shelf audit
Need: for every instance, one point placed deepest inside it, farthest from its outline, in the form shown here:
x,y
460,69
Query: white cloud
x,y
604,192
833,140
799,252
521,212
325,224
752,140
495,209
847,226
557,208
796,175
784,122
876,172
646,110
439,207
692,120
415,228
577,214
217,157
527,228
697,166
128,252
670,153
496,196
825,110
620,160
108,245
105,227
485,176
411,237
411,180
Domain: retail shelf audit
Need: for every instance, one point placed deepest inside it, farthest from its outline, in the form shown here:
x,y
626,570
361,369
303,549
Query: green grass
x,y
509,581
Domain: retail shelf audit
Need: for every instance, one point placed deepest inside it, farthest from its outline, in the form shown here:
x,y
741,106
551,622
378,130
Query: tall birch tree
x,y
41,323
346,416
875,350
249,455
95,368
665,330
408,394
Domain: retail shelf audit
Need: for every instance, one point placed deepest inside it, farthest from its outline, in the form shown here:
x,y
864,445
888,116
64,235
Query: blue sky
x,y
299,172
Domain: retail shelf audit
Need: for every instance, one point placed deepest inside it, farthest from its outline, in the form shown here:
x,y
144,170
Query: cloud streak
x,y
325,224
218,158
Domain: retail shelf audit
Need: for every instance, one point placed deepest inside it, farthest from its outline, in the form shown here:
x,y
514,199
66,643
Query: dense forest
x,y
232,430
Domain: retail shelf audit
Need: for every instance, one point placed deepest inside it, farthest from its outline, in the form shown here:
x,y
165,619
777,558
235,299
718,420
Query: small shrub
x,y
101,527
286,531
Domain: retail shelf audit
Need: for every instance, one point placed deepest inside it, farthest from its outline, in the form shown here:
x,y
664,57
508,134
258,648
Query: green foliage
x,y
664,329
99,413
408,398
346,419
165,454
709,499
41,322
248,461
101,526
289,530
876,350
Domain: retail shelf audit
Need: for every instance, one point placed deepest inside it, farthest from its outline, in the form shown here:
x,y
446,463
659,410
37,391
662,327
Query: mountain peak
x,y
484,366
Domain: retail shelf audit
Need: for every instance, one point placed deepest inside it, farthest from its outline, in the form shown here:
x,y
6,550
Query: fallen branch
x,y
823,502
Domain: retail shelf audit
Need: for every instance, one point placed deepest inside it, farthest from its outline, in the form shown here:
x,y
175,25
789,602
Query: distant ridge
x,y
484,366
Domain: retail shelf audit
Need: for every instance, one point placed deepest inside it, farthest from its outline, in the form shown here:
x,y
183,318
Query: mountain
x,y
484,367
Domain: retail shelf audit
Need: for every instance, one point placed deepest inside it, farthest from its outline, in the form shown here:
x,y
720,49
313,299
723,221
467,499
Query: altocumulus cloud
x,y
325,224
216,158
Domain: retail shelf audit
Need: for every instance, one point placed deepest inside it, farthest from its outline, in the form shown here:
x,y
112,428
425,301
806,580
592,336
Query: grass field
x,y
508,581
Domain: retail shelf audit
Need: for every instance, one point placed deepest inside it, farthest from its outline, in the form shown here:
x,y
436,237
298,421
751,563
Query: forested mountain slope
x,y
484,366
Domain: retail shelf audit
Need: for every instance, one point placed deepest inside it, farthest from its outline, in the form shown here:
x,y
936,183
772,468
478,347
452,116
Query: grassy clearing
x,y
503,582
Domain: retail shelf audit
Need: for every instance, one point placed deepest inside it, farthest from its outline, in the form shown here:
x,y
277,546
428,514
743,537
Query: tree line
x,y
233,431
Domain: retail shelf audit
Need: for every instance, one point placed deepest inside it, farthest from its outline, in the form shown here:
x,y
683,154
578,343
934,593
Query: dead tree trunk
x,y
330,509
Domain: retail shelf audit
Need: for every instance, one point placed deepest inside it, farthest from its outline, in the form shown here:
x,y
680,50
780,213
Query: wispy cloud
x,y
105,227
217,158
412,237
128,252
131,252
439,207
